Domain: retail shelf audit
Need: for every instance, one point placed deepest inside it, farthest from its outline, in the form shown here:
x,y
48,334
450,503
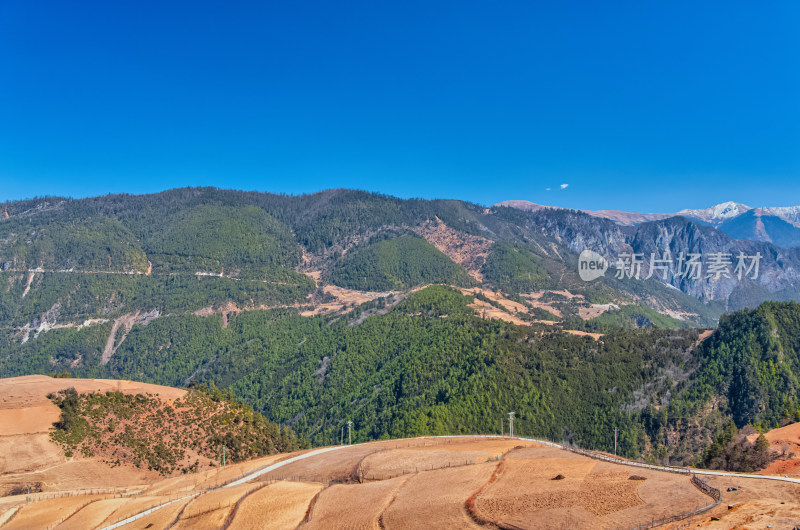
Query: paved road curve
x,y
246,478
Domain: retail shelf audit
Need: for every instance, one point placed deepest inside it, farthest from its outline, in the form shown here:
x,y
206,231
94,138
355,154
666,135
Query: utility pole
x,y
223,455
341,436
615,441
501,426
511,424
349,432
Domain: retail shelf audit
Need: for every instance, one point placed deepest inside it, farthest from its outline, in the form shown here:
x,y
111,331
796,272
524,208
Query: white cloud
x,y
563,186
547,189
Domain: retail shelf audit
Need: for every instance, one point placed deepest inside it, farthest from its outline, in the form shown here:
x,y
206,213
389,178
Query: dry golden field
x,y
454,482
419,483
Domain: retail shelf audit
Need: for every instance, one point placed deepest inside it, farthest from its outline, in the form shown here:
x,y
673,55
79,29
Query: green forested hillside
x,y
397,263
260,237
514,269
746,375
237,241
95,243
74,297
753,362
428,366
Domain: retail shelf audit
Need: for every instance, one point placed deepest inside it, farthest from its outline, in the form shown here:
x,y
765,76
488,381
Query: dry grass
x,y
353,505
394,462
759,504
28,420
159,519
92,515
210,520
135,505
283,504
215,499
48,512
592,494
336,466
435,499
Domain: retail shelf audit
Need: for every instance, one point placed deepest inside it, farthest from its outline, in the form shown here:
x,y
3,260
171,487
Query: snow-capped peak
x,y
790,214
719,212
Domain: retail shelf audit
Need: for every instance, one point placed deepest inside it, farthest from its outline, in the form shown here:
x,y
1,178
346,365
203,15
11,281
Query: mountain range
x,y
408,317
774,224
131,258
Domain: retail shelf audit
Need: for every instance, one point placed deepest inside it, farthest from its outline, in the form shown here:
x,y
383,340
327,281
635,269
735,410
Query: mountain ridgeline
x,y
346,305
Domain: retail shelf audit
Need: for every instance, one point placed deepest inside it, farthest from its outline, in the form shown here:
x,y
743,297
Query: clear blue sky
x,y
641,105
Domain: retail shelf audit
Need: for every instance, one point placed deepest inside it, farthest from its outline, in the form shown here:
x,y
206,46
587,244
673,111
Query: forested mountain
x,y
206,236
396,263
427,366
746,375
314,310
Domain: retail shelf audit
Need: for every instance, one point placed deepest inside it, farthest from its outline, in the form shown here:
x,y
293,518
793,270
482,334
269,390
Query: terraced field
x,y
423,482
448,482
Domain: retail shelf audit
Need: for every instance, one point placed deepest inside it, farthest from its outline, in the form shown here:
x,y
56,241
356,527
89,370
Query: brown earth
x,y
344,300
755,504
213,509
785,445
592,494
435,499
162,518
511,311
48,513
338,466
534,299
283,504
595,336
92,515
354,505
486,310
392,462
467,250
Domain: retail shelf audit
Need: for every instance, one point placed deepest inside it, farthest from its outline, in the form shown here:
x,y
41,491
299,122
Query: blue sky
x,y
644,106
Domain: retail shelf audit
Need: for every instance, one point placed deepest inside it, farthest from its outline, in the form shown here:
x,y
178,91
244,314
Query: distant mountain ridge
x,y
106,268
779,225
